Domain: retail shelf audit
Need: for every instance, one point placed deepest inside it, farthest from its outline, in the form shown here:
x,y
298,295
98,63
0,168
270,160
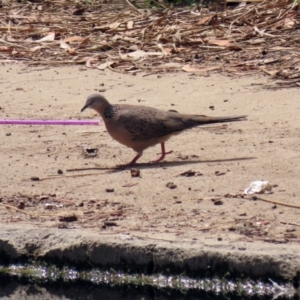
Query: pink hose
x,y
49,122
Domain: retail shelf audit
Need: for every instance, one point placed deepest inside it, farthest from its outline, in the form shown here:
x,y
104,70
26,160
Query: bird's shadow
x,y
164,164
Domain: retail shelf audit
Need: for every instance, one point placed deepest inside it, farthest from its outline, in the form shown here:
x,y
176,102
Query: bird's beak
x,y
85,107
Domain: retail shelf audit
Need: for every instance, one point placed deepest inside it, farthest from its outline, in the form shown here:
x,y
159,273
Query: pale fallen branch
x,y
276,202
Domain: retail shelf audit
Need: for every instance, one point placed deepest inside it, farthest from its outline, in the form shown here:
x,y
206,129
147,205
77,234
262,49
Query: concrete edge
x,y
80,248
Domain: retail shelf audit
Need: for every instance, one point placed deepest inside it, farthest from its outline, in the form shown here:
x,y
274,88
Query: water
x,y
33,281
12,288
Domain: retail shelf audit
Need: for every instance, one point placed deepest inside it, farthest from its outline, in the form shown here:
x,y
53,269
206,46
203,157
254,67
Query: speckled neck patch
x,y
110,111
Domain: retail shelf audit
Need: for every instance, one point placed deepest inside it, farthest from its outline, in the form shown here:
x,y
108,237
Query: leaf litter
x,y
262,37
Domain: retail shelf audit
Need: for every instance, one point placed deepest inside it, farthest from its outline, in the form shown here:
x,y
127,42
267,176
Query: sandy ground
x,y
225,159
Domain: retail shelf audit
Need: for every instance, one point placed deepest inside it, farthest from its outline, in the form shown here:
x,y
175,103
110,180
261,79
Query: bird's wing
x,y
147,123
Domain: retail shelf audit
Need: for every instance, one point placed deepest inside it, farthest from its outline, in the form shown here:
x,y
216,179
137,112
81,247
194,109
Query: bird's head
x,y
96,102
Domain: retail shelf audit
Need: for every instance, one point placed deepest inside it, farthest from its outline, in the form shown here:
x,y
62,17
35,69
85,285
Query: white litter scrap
x,y
258,187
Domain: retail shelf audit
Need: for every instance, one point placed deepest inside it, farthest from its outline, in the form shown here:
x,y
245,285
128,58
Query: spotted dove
x,y
140,127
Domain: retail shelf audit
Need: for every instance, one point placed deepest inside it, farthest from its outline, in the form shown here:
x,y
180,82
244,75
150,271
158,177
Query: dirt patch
x,y
207,164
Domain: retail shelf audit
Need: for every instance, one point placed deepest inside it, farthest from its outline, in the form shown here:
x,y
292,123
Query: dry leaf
x,y
80,60
90,61
280,48
131,40
257,41
78,11
15,16
272,73
222,43
133,47
64,45
135,55
72,39
205,20
177,36
36,48
130,25
120,64
289,23
105,65
6,49
161,48
116,37
114,26
169,66
84,43
72,51
48,38
190,68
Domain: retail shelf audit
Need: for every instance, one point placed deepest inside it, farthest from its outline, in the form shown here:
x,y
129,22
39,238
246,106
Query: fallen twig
x,y
17,209
277,202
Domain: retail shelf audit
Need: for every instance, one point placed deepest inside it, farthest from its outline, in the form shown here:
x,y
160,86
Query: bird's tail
x,y
201,120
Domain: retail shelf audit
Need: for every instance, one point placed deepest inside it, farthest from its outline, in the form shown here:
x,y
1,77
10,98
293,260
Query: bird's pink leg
x,y
135,159
163,153
132,162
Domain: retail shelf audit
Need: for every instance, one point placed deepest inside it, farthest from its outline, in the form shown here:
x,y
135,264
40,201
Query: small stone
x,y
217,201
68,218
21,205
135,173
188,173
8,134
109,190
171,185
218,173
60,172
34,178
90,152
110,223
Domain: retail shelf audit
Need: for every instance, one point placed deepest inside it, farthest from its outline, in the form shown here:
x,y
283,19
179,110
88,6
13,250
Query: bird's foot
x,y
132,163
162,157
169,152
